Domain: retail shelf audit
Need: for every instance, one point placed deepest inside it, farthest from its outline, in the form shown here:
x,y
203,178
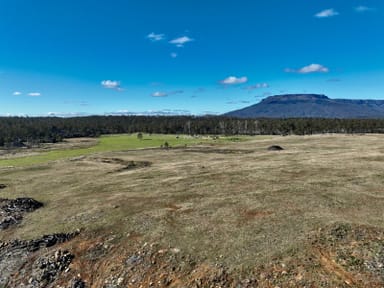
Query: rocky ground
x,y
340,255
12,211
31,263
337,256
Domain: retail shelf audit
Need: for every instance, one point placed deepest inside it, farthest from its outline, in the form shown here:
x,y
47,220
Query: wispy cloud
x,y
199,90
111,84
266,94
238,102
165,94
362,9
312,68
153,84
155,37
232,80
207,113
163,112
257,86
175,92
81,103
16,93
179,42
67,114
326,13
334,80
34,94
84,103
159,94
173,55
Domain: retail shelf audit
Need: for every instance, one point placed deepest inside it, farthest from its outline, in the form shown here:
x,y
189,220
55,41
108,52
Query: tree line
x,y
18,131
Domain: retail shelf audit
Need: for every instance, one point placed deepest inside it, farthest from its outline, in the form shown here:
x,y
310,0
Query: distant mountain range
x,y
311,106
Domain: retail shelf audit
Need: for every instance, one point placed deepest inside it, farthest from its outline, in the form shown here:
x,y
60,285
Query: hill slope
x,y
311,106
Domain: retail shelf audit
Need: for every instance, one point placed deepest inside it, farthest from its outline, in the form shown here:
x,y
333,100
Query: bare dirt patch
x,y
123,164
249,215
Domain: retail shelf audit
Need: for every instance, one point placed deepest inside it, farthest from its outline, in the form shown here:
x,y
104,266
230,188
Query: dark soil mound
x,y
126,164
275,148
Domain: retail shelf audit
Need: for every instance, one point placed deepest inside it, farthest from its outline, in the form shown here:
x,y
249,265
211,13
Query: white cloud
x,y
312,68
34,94
110,84
179,42
155,37
16,93
327,13
231,80
174,55
363,9
159,94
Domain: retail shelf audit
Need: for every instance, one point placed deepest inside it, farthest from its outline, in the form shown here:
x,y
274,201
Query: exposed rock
x,y
2,186
46,269
21,205
6,221
77,283
16,253
12,211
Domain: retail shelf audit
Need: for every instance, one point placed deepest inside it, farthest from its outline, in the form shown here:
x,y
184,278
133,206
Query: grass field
x,y
112,143
235,203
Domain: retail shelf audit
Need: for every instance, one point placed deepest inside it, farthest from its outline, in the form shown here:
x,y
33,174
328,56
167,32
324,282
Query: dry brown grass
x,y
243,205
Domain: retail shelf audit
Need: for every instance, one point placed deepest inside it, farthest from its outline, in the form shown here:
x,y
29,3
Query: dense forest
x,y
19,131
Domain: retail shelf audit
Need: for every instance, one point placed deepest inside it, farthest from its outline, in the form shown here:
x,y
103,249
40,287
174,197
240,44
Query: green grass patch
x,y
115,143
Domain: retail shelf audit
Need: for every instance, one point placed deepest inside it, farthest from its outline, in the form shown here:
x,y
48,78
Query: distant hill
x,y
311,106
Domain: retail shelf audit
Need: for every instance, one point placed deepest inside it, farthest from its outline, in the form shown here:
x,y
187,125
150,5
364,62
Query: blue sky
x,y
82,57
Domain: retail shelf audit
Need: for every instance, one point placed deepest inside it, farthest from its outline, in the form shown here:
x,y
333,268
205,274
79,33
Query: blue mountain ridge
x,y
311,106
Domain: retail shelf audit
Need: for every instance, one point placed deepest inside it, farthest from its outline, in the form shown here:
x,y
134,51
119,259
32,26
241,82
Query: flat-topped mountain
x,y
311,106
